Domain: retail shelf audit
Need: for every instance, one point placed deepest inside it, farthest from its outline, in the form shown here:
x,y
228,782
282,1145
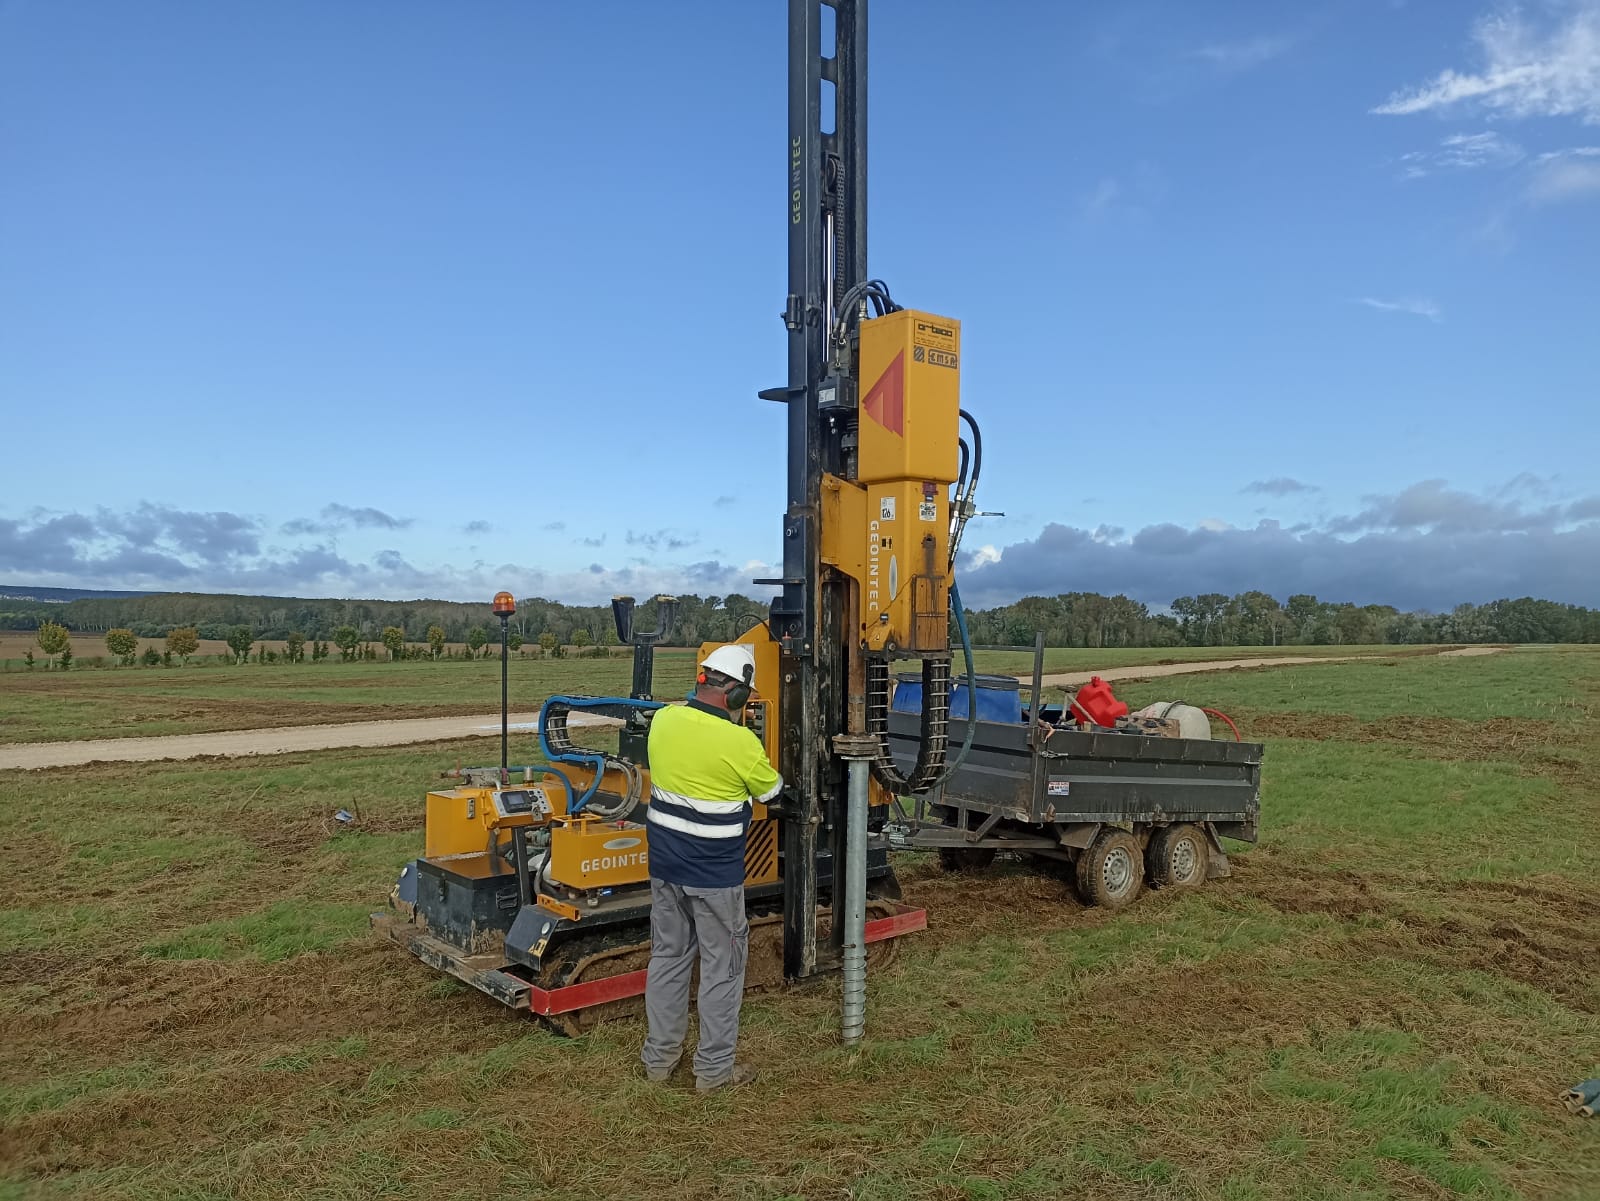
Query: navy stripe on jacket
x,y
691,862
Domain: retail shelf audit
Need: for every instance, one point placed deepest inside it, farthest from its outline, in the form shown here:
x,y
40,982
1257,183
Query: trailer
x,y
1117,806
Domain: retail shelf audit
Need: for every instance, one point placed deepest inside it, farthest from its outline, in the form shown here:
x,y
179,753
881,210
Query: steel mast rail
x,y
825,208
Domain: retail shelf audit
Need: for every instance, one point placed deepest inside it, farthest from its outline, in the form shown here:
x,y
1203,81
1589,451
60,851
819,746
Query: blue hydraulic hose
x,y
589,759
565,783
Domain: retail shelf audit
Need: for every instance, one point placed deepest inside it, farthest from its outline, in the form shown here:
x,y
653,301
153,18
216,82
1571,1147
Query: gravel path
x,y
275,741
1067,679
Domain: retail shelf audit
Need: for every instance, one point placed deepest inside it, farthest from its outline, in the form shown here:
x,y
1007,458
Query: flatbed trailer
x,y
1123,809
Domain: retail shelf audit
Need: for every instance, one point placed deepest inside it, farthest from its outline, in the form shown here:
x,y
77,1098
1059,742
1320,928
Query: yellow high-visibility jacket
x,y
705,769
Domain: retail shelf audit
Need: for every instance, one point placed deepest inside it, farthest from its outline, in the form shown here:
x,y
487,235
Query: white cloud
x,y
985,554
1526,71
1133,193
1463,151
1099,201
1565,175
1241,56
1419,307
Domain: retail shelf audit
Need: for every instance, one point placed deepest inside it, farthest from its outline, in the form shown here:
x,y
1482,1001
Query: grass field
x,y
145,702
1382,1002
128,702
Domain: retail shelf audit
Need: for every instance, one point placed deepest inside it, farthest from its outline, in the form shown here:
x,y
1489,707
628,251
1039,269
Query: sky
x,y
398,299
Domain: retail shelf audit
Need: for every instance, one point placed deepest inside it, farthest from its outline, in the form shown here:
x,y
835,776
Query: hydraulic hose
x,y
972,682
1226,718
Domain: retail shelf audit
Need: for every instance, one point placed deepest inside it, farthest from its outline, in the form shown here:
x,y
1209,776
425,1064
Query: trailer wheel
x,y
1111,871
1179,857
965,859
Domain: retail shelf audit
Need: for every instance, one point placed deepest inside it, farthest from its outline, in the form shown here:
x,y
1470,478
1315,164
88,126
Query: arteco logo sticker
x,y
620,844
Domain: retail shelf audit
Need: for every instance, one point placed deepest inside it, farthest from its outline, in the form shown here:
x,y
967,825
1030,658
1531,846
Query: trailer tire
x,y
1180,857
965,859
1111,872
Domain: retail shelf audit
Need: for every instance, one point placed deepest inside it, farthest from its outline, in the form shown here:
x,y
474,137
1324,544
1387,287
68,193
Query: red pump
x,y
1095,703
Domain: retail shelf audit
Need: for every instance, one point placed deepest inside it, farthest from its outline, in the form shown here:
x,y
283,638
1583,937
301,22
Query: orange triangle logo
x,y
886,403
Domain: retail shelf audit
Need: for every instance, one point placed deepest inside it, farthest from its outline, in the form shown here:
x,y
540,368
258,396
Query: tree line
x,y
1088,619
699,618
1082,619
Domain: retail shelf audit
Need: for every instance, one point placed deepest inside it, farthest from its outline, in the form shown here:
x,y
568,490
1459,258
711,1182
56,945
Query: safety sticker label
x,y
928,511
886,508
1058,788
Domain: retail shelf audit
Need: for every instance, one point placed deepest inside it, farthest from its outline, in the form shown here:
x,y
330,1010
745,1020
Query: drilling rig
x,y
534,883
536,890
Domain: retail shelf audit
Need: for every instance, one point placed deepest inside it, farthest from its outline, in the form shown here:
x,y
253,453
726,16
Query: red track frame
x,y
549,1001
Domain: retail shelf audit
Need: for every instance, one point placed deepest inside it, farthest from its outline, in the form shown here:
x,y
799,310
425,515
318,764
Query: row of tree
x,y
1258,619
699,619
55,640
1070,619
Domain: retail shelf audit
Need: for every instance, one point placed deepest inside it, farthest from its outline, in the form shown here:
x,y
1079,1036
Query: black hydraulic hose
x,y
977,444
963,500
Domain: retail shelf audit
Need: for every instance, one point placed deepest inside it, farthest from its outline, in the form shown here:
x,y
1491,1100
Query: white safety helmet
x,y
736,661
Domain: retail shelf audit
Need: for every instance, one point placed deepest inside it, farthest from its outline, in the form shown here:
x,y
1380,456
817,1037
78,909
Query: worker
x,y
705,770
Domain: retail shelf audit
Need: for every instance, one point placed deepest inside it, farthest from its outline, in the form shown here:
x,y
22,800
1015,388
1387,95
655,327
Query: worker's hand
x,y
784,804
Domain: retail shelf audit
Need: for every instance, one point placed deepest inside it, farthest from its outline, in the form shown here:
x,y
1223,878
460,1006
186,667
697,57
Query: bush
x,y
152,657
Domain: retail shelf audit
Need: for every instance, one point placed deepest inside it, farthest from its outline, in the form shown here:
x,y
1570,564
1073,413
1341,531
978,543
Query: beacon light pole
x,y
504,606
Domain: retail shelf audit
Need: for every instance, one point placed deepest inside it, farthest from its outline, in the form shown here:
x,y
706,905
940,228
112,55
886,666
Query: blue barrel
x,y
999,697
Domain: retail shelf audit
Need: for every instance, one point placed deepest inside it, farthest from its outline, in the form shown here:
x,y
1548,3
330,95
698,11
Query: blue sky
x,y
401,299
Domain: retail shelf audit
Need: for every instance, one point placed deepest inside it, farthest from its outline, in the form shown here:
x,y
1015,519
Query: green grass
x,y
1541,686
44,706
281,930
150,702
1382,1003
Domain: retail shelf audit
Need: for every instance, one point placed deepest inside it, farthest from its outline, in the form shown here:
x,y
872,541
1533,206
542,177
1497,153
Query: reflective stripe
x,y
771,792
689,802
698,829
737,817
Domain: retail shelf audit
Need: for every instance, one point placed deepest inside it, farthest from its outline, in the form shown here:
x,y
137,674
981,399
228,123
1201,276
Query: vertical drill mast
x,y
826,213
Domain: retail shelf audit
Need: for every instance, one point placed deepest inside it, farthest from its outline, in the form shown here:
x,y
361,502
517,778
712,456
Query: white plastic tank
x,y
1192,722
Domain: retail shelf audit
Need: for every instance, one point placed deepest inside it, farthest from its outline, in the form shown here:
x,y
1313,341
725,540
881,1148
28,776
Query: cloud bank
x,y
1426,546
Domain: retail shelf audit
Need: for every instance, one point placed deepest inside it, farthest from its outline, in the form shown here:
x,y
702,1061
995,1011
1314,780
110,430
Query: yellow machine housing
x,y
587,854
889,529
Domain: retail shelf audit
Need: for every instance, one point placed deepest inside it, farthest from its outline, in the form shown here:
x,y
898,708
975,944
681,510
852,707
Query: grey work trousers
x,y
683,921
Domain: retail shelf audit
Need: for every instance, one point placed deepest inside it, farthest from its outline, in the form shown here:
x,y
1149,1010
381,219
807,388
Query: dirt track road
x,y
283,739
1066,679
276,741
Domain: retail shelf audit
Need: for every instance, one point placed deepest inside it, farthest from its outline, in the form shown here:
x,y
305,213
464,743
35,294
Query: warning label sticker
x,y
886,508
928,511
1058,788
934,336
